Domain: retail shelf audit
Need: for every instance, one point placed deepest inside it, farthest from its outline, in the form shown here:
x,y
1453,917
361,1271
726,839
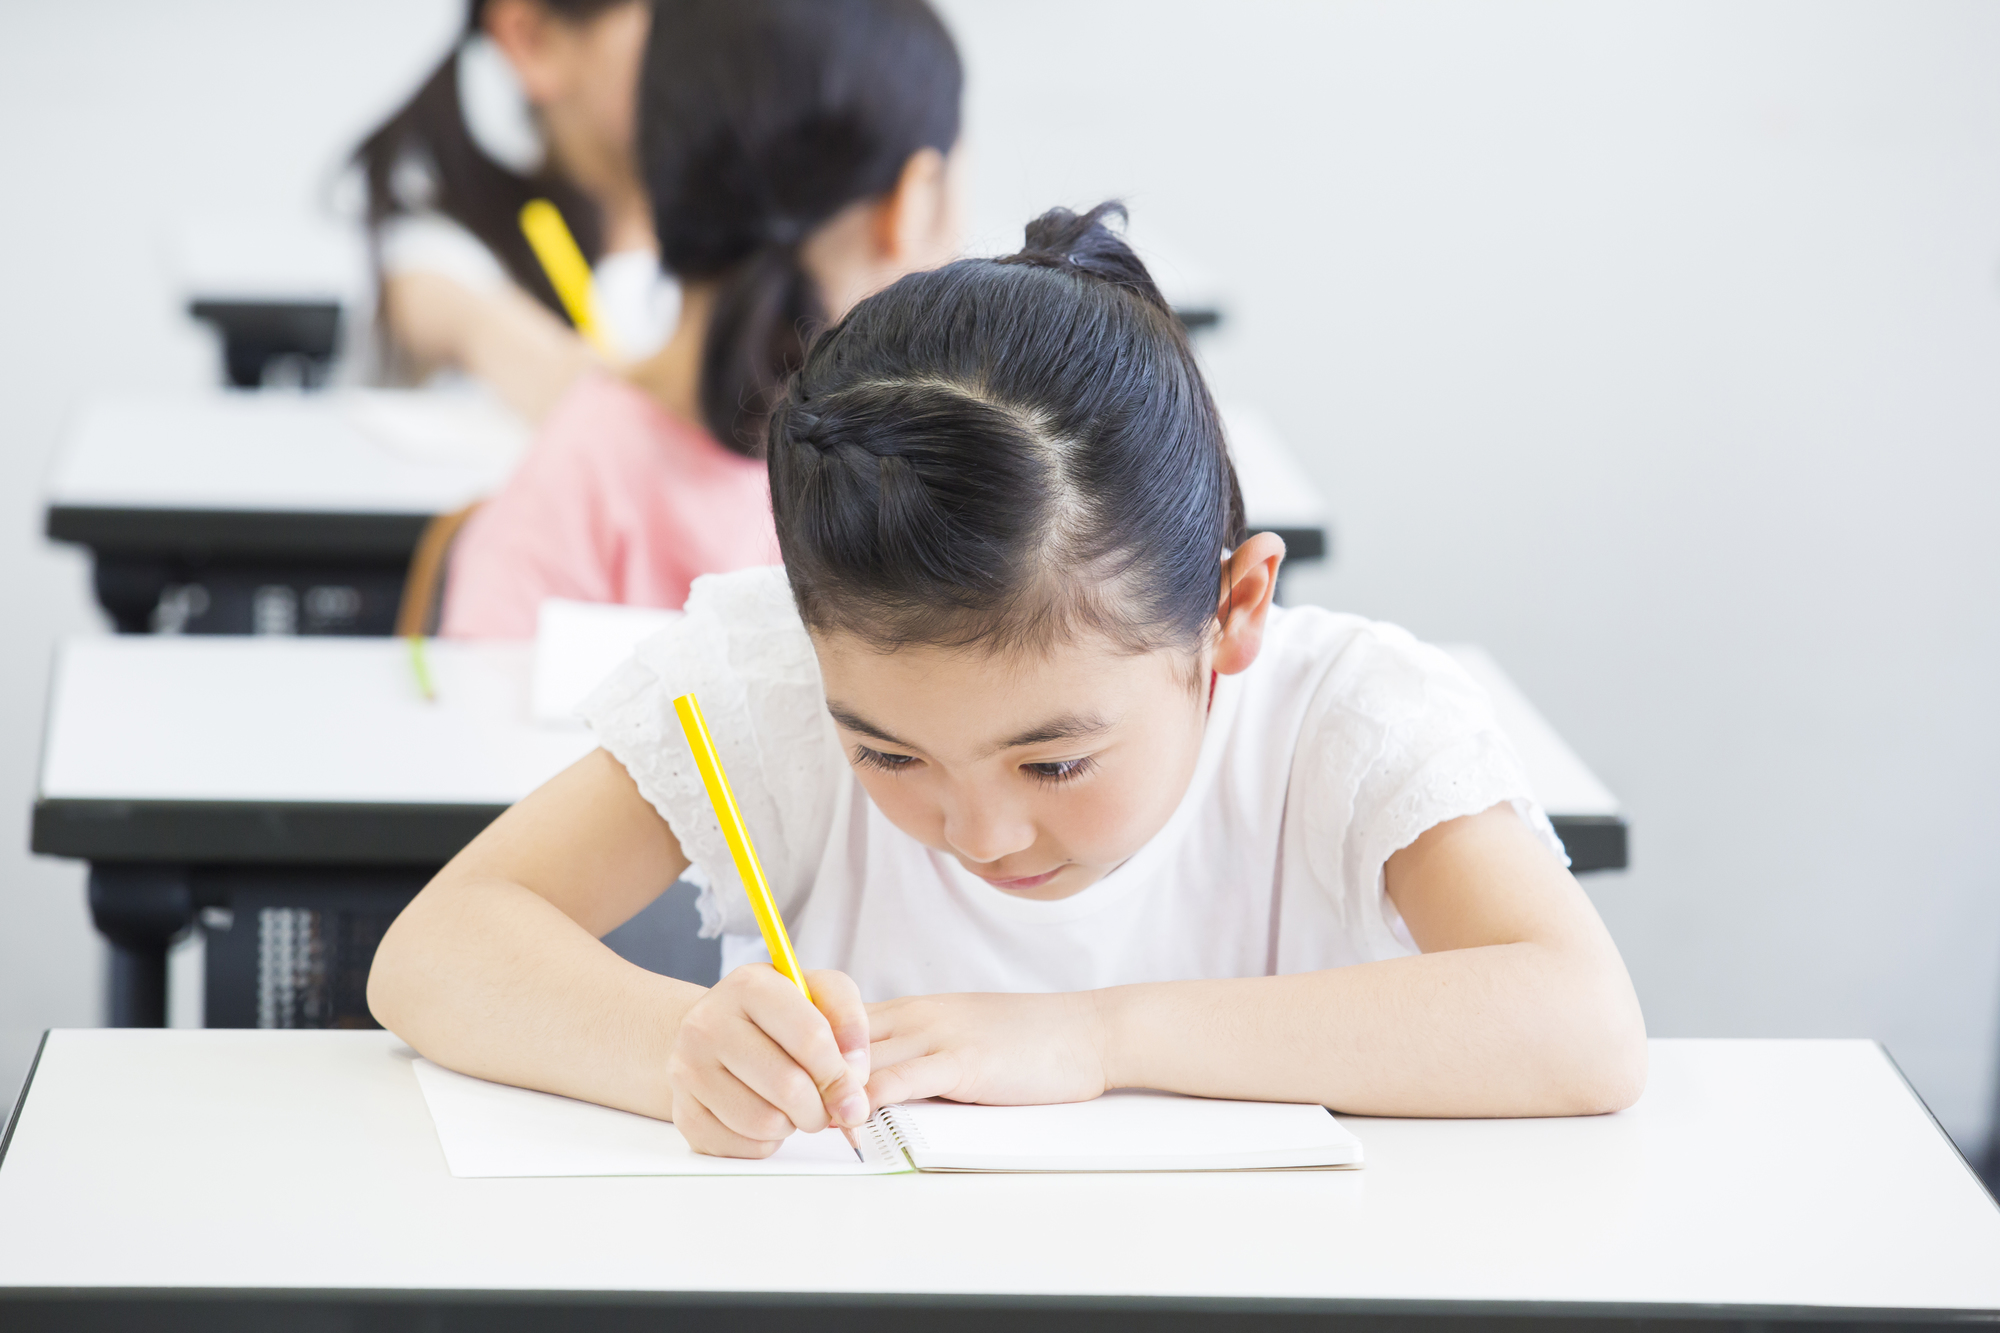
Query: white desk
x,y
256,489
285,453
237,773
1765,1179
336,721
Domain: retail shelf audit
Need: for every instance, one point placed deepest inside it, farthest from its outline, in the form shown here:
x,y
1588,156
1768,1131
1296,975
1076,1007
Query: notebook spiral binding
x,y
892,1137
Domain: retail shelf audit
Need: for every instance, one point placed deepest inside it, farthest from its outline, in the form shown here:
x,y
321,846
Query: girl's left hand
x,y
1009,1050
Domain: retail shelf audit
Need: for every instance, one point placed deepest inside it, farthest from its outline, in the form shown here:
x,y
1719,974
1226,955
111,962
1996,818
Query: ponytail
x,y
764,306
1084,244
759,120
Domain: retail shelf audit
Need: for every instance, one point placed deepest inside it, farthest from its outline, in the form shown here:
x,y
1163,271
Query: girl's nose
x,y
981,831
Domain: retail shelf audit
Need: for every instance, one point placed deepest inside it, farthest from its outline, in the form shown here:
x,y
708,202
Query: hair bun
x,y
1083,243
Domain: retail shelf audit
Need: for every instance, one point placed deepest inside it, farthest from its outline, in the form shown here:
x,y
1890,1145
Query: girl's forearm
x,y
504,338
491,979
1521,1029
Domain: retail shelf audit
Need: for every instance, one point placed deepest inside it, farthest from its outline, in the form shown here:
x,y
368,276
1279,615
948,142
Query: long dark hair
x,y
469,187
759,120
1006,451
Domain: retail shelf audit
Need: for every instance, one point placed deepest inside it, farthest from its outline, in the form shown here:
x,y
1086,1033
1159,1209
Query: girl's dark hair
x,y
759,120
469,187
1004,452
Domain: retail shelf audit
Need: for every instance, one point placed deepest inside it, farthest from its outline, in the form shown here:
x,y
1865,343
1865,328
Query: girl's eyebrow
x,y
1066,727
855,722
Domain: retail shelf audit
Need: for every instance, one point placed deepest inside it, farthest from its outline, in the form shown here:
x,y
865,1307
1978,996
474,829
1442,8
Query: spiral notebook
x,y
490,1129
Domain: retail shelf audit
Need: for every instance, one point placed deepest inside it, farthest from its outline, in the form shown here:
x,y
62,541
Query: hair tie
x,y
784,232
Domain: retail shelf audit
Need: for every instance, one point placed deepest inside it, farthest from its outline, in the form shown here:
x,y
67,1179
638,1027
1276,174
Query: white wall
x,y
1655,346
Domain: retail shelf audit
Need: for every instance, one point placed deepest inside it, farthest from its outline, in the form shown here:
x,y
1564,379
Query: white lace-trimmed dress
x,y
1342,743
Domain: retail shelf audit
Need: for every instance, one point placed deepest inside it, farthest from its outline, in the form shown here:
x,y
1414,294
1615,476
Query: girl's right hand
x,y
753,1061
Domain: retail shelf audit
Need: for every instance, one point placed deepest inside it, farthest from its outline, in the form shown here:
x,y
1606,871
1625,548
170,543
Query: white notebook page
x,y
1128,1130
490,1129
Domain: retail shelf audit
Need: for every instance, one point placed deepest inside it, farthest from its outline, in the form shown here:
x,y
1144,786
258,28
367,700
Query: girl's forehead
x,y
992,670
924,694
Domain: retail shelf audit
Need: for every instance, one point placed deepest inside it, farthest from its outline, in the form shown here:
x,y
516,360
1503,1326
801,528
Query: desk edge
x,y
255,832
328,536
1594,842
926,1306
21,1102
1938,1124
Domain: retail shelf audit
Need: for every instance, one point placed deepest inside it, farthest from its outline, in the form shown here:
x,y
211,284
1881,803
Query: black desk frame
x,y
139,555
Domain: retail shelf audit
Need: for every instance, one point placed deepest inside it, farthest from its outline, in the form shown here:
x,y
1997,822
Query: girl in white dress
x,y
1052,796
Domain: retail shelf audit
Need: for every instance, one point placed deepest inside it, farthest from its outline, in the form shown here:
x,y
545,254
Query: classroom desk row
x,y
277,512
236,1180
291,794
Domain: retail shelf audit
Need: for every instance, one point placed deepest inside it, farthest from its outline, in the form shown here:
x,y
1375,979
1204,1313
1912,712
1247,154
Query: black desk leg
x,y
139,909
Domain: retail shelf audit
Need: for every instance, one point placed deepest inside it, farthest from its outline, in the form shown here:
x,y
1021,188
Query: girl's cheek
x,y
904,806
1104,824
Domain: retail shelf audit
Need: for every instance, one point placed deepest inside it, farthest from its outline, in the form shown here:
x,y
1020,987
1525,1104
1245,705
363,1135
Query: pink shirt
x,y
617,501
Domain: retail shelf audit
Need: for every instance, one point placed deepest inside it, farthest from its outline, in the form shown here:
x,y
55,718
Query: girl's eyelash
x,y
1067,770
887,763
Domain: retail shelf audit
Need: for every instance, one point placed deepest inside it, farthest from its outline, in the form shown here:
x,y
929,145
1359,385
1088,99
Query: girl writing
x,y
1054,798
795,152
535,101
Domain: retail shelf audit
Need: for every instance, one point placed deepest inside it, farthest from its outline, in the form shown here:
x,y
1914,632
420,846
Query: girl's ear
x,y
918,213
527,35
1249,582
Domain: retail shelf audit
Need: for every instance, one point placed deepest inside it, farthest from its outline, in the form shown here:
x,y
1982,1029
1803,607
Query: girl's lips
x,y
1025,882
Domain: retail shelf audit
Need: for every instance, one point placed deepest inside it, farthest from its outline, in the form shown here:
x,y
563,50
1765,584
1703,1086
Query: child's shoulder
x,y
757,600
741,635
1365,669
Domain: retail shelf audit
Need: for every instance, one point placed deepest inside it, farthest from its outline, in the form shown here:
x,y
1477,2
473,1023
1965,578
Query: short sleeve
x,y
1397,740
741,651
430,242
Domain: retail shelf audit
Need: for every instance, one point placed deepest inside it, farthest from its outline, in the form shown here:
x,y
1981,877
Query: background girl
x,y
1053,797
796,154
537,100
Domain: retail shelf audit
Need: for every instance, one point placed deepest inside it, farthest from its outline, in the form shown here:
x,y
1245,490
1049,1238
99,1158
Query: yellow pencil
x,y
569,272
776,941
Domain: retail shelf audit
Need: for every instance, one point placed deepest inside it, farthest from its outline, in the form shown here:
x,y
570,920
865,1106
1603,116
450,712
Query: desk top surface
x,y
376,452
274,721
391,452
1752,1174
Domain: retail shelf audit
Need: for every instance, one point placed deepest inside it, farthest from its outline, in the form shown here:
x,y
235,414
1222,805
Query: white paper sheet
x,y
490,1129
1127,1130
440,426
578,644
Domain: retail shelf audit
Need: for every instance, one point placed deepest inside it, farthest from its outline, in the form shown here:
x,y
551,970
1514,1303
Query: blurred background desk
x,y
275,512
286,797
288,513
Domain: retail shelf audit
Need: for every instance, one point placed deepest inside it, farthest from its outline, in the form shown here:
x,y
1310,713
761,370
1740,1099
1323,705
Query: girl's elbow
x,y
1604,1068
389,983
1614,1079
